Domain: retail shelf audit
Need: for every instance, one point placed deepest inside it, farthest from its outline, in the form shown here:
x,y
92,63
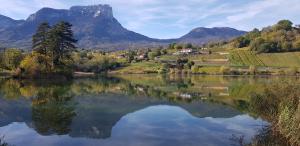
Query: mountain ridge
x,y
96,28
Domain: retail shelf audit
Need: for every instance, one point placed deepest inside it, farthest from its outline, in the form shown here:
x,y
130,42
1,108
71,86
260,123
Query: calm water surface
x,y
132,111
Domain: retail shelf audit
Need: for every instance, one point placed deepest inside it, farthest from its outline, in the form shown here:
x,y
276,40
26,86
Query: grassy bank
x,y
139,68
279,104
156,68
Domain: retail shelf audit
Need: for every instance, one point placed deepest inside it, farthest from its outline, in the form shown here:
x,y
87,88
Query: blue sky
x,y
173,18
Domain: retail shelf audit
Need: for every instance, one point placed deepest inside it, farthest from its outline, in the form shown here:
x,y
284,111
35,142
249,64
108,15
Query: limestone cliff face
x,y
94,27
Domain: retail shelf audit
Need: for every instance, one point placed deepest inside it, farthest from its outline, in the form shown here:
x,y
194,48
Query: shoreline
x,y
199,74
91,75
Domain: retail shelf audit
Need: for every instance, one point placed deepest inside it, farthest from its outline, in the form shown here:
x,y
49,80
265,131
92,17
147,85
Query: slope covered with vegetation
x,y
281,37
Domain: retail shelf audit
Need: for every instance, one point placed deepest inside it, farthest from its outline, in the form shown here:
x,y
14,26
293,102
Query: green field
x,y
243,57
139,68
199,59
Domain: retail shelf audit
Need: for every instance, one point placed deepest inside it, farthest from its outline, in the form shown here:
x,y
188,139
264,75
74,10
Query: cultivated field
x,y
243,57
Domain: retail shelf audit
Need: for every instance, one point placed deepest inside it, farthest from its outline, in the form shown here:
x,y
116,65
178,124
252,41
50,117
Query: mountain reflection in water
x,y
123,111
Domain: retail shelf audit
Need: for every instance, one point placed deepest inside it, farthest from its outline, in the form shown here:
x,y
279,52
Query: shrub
x,y
34,64
11,58
154,54
279,104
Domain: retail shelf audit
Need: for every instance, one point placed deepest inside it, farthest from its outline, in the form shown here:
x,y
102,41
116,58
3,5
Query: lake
x,y
132,110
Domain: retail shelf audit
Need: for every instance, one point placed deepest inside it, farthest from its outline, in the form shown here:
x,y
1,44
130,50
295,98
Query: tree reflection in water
x,y
53,110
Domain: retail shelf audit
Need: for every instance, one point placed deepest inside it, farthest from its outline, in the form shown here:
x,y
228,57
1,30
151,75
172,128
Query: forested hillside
x,y
281,37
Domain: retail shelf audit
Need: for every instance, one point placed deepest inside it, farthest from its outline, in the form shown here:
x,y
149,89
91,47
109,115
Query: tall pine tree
x,y
39,40
62,42
55,43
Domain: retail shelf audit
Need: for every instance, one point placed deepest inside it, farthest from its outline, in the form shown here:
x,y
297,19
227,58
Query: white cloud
x,y
260,14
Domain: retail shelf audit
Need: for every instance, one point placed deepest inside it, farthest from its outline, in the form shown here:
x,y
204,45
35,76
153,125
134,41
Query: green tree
x,y
287,46
254,33
154,54
12,58
178,47
241,42
190,64
255,44
284,24
61,42
296,44
172,46
188,45
164,51
130,56
40,39
52,50
181,62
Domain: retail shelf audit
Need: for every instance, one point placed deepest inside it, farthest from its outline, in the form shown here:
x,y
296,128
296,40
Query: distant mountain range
x,y
96,28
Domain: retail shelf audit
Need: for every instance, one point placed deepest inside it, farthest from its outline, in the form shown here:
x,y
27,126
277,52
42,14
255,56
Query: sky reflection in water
x,y
159,125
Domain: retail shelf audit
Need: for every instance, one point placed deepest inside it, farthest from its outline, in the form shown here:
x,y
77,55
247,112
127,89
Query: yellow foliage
x,y
35,64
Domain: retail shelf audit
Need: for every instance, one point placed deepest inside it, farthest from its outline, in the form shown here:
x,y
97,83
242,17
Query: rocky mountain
x,y
96,28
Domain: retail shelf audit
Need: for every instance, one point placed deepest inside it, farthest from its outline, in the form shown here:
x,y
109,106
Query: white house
x,y
187,51
184,51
